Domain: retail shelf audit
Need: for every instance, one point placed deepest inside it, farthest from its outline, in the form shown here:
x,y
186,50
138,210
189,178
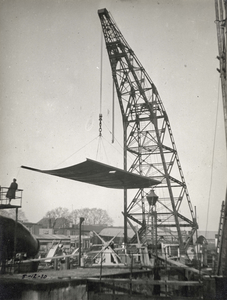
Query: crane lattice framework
x,y
149,142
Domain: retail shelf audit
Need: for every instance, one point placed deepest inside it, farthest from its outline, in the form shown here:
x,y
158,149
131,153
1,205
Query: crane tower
x,y
149,143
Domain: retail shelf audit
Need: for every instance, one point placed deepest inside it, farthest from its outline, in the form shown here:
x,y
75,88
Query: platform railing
x,y
4,201
144,288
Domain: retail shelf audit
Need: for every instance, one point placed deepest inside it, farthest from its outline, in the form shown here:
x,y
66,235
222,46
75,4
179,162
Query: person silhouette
x,y
11,193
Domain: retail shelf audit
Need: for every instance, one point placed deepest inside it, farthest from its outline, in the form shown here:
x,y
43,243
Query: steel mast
x,y
148,142
221,25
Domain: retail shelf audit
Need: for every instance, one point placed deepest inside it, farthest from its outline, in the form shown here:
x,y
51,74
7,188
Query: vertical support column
x,y
81,221
15,235
15,239
125,190
125,218
152,198
156,233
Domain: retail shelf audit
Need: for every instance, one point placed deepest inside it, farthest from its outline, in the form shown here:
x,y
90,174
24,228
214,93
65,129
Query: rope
x,y
18,172
110,132
76,152
212,161
116,140
100,114
100,143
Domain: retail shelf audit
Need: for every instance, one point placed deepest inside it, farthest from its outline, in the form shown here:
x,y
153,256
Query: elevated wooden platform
x,y
88,283
4,201
9,206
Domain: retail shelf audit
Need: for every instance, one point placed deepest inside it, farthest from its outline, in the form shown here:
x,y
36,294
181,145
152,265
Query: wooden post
x,y
56,264
67,263
100,275
15,235
81,221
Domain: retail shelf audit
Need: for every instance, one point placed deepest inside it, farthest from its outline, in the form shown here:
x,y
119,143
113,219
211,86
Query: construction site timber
x,y
165,257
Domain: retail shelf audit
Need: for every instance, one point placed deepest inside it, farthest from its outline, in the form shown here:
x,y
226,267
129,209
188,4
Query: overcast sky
x,y
50,53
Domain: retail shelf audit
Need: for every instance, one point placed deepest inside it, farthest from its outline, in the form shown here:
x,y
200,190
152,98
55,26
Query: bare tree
x,y
59,212
11,213
92,216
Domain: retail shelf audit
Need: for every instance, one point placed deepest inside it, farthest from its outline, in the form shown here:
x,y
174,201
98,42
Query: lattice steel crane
x,y
149,142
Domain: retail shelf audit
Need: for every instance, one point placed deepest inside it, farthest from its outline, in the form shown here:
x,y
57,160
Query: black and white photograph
x,y
113,142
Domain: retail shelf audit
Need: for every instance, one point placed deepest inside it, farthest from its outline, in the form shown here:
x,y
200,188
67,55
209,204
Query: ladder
x,y
220,229
220,254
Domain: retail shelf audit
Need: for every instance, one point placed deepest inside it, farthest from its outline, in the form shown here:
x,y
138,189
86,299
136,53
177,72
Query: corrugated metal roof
x,y
113,231
76,237
52,237
97,173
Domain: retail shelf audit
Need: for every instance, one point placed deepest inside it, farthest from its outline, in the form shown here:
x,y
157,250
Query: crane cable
x,y
113,118
100,108
212,161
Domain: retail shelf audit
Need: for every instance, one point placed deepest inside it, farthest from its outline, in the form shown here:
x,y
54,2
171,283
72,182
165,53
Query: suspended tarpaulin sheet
x,y
97,173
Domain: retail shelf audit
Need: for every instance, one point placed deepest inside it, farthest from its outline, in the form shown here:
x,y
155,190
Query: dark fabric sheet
x,y
97,173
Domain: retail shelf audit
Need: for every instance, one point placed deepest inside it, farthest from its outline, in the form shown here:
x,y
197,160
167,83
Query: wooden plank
x,y
180,265
51,258
100,296
144,281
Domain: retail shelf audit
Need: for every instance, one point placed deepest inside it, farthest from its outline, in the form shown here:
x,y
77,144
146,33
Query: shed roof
x,y
116,231
56,237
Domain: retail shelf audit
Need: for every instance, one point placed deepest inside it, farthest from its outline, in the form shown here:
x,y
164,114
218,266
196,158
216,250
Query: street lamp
x,y
81,221
152,199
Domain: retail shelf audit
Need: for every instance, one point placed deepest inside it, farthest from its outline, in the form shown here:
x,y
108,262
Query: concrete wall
x,y
55,289
69,292
62,289
65,288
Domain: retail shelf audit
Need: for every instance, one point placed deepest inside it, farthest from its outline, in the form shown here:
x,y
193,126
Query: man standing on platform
x,y
11,194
